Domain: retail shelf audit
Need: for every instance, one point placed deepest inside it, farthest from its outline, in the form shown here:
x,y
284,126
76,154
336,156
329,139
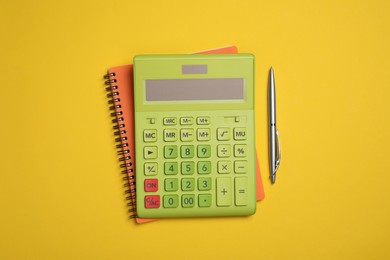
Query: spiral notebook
x,y
120,87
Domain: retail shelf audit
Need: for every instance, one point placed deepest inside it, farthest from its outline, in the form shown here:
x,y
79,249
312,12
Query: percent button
x,y
240,150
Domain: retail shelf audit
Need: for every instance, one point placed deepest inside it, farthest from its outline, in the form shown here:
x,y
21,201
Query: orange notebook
x,y
121,95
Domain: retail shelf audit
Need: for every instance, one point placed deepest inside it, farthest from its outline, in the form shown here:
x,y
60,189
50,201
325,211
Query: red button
x,y
151,185
152,202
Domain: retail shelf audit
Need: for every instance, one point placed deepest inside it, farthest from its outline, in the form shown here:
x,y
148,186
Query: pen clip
x,y
277,162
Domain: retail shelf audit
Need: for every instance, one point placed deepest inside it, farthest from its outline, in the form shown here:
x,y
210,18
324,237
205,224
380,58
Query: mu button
x,y
150,152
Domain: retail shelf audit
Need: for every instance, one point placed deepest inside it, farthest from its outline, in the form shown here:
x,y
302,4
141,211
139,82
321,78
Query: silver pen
x,y
274,145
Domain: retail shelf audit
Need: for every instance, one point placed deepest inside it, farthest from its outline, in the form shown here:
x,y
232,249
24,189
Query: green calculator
x,y
194,135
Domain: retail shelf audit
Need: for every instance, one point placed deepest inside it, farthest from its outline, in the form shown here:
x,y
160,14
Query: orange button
x,y
151,185
152,202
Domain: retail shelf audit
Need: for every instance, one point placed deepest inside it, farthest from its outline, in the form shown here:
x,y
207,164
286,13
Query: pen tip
x,y
273,179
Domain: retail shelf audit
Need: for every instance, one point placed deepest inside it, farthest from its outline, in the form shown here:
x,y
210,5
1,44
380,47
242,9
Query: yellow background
x,y
61,190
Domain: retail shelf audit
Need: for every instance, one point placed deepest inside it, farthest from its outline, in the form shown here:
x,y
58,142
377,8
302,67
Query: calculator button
x,y
187,134
150,169
204,184
151,185
224,192
169,120
204,200
152,201
187,184
150,152
240,166
186,120
170,168
223,134
204,151
170,151
224,167
171,184
188,200
203,134
240,150
203,120
150,135
239,133
240,191
204,167
171,201
223,150
187,168
187,151
170,135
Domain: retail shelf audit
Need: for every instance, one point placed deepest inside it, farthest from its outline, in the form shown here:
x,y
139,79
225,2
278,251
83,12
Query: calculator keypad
x,y
188,162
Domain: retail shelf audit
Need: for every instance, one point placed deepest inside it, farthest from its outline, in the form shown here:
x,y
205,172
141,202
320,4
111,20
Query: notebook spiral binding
x,y
122,146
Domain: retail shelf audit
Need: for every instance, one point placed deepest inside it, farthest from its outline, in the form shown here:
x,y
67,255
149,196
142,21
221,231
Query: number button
x,y
170,168
204,200
188,184
187,135
188,200
203,134
187,151
150,152
170,151
204,184
204,167
240,150
204,151
224,167
223,134
224,150
187,168
150,169
170,135
240,133
171,201
171,184
150,135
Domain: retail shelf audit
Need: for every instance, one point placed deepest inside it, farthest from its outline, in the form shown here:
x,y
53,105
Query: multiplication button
x,y
224,167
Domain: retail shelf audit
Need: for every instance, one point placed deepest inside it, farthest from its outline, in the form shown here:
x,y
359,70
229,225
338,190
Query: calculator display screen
x,y
194,89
